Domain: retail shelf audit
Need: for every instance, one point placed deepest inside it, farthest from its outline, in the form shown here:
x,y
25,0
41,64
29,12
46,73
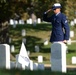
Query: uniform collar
x,y
58,13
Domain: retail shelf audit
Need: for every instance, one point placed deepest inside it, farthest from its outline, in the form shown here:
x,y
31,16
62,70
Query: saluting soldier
x,y
60,27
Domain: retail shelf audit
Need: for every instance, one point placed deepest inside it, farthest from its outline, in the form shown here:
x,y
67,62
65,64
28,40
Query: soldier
x,y
60,27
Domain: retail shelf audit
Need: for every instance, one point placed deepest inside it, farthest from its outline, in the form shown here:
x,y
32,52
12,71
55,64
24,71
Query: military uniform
x,y
60,27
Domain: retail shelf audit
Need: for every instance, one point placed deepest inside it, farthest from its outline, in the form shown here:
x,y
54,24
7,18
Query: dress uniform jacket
x,y
60,27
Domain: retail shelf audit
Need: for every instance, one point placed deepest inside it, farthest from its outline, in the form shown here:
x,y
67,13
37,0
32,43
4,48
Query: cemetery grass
x,y
35,35
36,72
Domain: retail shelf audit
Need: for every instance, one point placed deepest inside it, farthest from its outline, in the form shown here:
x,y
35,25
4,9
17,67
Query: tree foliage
x,y
9,7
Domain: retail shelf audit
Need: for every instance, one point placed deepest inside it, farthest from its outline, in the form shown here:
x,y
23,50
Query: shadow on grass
x,y
71,51
31,40
38,27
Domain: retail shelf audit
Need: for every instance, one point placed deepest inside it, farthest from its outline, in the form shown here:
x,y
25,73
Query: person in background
x,y
60,27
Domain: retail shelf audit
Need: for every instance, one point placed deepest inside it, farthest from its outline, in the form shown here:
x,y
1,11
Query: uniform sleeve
x,y
66,27
46,18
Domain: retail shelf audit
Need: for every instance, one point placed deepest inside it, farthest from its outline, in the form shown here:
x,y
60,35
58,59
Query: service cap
x,y
56,5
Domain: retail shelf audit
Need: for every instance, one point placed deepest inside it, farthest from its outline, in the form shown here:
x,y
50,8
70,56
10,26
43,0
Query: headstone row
x,y
30,21
15,22
58,58
32,65
7,64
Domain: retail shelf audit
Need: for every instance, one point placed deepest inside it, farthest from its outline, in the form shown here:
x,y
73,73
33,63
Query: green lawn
x,y
36,35
37,72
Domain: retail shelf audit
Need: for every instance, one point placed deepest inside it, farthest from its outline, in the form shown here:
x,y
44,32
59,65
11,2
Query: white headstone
x,y
58,57
72,23
74,60
11,22
16,22
37,48
12,48
23,33
71,33
21,22
30,21
46,42
27,21
14,25
10,40
40,59
75,20
4,56
39,20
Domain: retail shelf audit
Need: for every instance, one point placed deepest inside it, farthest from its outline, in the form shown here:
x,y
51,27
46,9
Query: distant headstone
x,y
27,21
40,59
46,42
71,33
39,20
21,22
41,66
10,40
15,21
72,23
30,21
58,57
75,20
23,33
4,56
11,22
40,63
74,60
35,65
37,48
12,48
14,25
